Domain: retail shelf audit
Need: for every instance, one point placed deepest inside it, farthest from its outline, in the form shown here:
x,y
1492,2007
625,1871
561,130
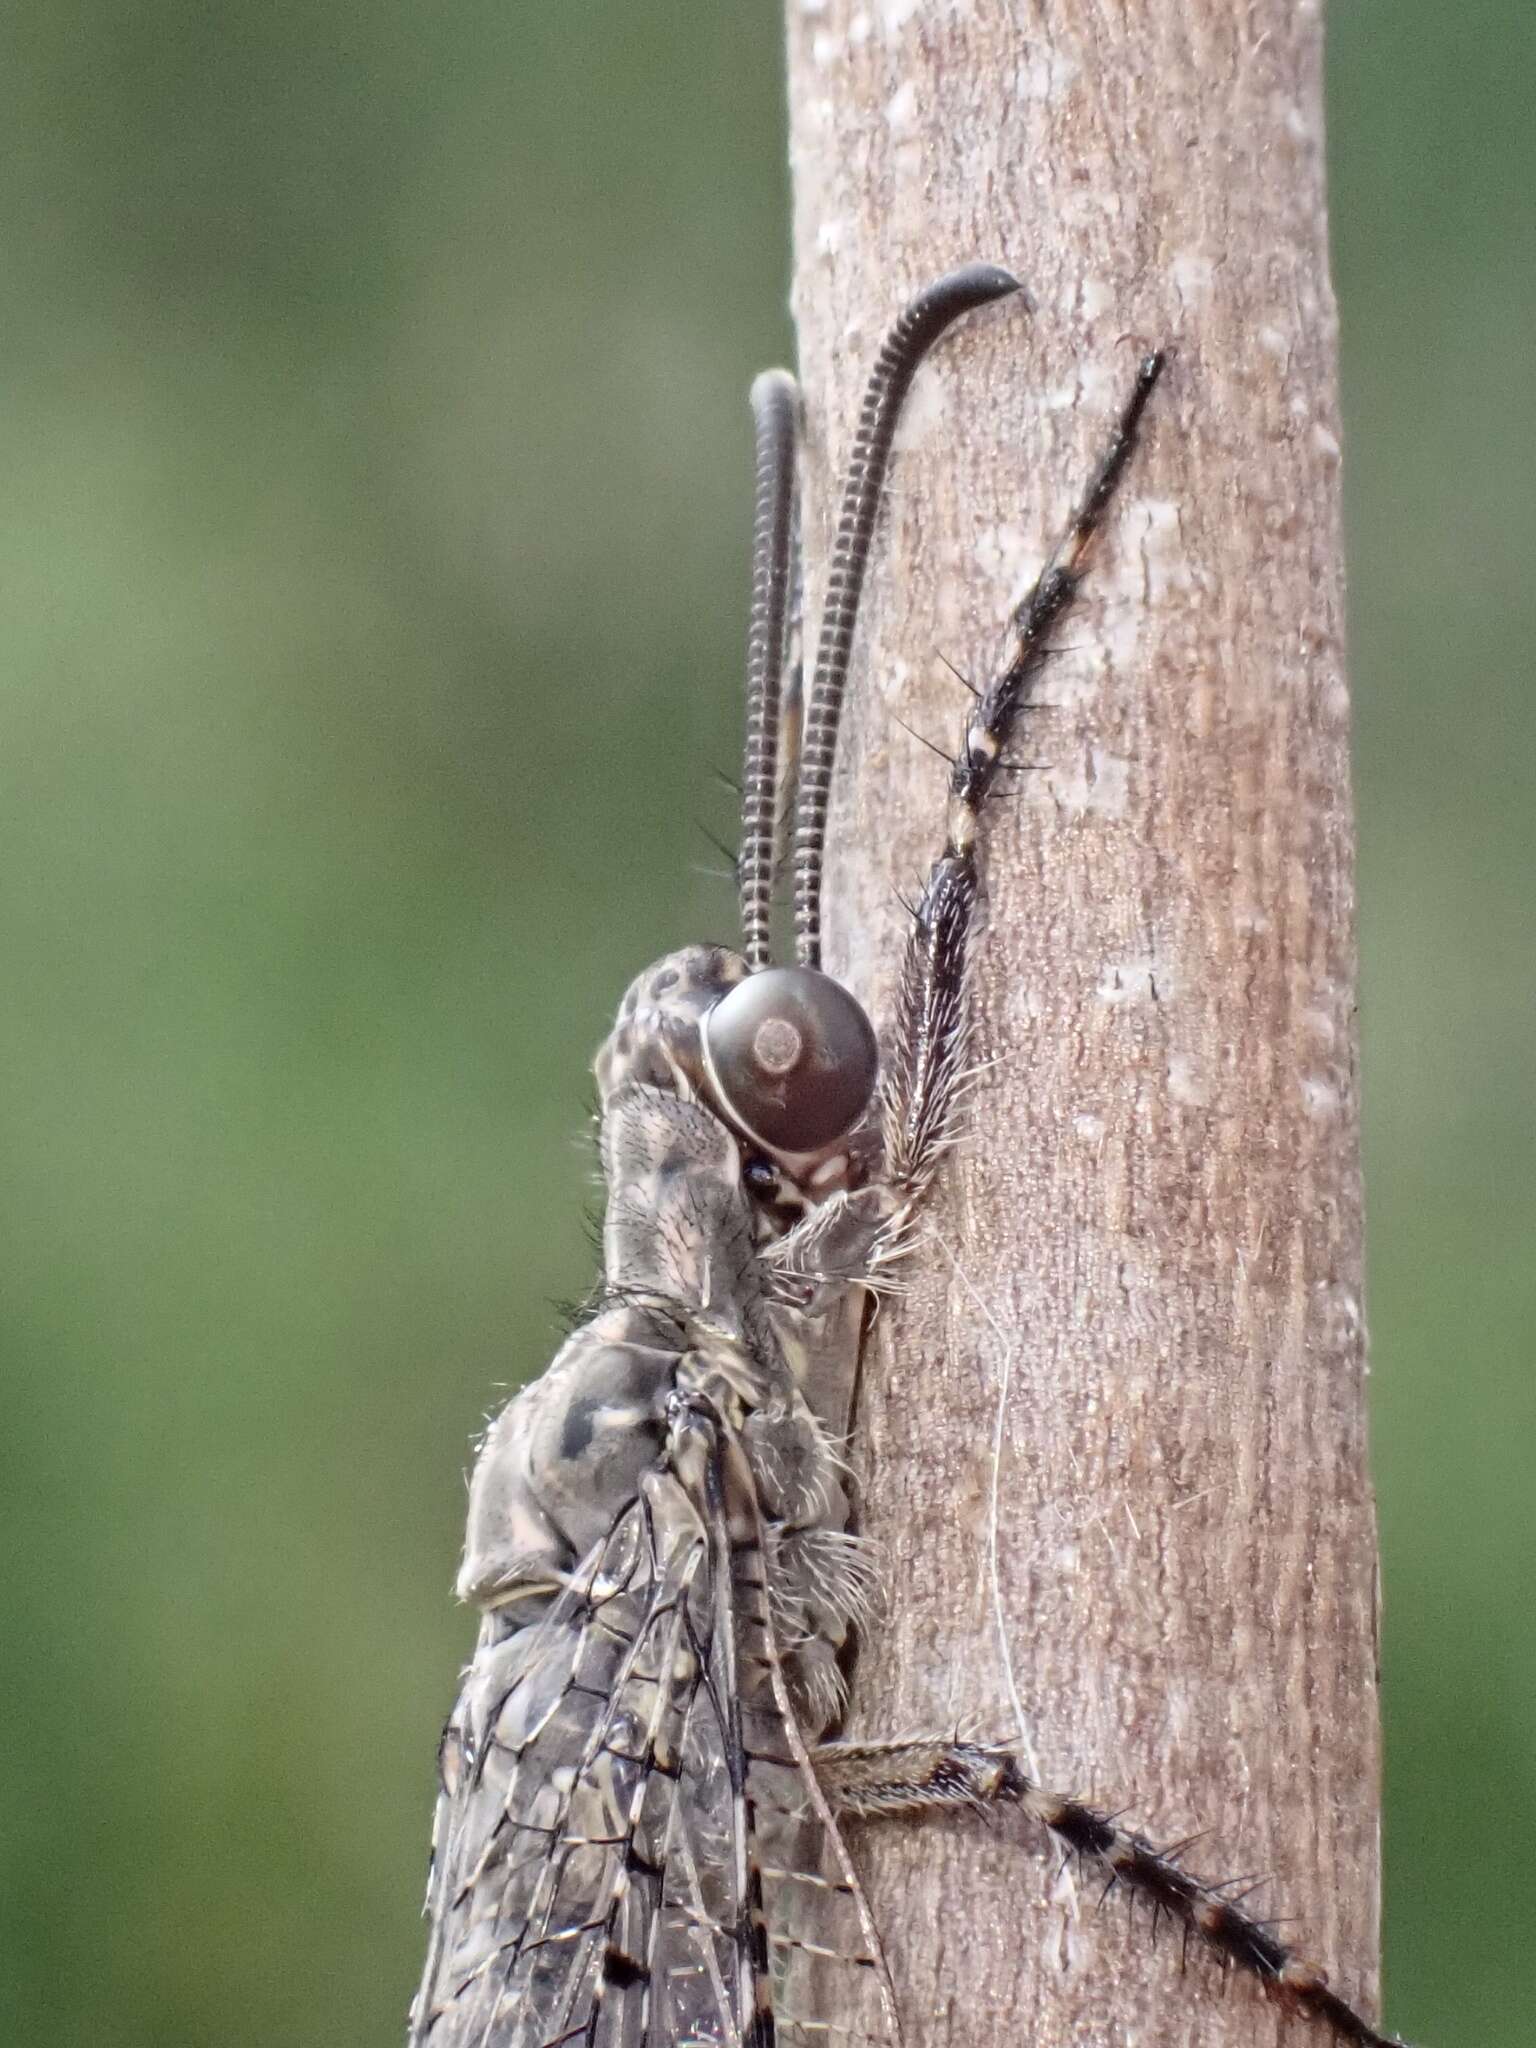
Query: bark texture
x,y
1135,1329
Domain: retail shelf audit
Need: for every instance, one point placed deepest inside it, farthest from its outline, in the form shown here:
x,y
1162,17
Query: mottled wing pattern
x,y
580,1889
824,1957
627,1851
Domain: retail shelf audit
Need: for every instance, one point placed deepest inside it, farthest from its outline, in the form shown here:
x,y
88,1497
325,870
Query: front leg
x,y
857,1239
916,1779
925,1079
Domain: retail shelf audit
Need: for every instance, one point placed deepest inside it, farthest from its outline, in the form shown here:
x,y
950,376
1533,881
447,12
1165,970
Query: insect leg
x,y
927,1070
912,1779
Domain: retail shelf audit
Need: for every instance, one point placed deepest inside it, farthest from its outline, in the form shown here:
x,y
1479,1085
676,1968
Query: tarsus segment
x,y
892,1780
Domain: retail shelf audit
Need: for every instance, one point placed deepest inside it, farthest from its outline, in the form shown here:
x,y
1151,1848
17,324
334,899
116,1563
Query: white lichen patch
x,y
893,679
1186,1083
1088,1127
895,14
1045,73
1006,557
901,110
1319,1027
1297,122
1335,699
1319,1096
1325,441
1190,275
1274,341
1162,546
1249,919
1120,633
925,409
1337,1321
1103,381
1097,297
831,235
1102,784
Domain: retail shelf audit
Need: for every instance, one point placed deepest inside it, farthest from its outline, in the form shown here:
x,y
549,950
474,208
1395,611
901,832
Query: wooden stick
x,y
1112,1443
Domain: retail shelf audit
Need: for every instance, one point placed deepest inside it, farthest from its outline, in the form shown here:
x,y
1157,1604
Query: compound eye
x,y
792,1058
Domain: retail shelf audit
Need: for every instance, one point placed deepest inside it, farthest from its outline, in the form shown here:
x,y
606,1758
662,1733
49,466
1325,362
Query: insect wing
x,y
583,1882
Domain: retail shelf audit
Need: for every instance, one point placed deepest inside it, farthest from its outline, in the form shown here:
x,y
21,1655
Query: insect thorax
x,y
683,1309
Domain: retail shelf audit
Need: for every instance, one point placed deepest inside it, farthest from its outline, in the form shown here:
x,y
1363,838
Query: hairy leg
x,y
917,1779
924,1080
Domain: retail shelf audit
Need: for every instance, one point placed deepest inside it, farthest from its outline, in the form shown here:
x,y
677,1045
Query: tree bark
x,y
1114,1434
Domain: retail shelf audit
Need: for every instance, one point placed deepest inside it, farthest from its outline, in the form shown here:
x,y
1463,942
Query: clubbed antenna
x,y
775,404
918,328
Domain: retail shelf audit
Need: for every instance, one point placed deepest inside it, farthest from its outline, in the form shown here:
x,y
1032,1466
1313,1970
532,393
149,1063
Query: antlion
x,y
637,1840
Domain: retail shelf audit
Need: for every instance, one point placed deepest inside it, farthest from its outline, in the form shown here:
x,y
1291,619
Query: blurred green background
x,y
351,755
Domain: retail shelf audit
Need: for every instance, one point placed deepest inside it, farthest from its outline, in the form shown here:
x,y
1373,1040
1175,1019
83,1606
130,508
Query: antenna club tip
x,y
972,285
772,387
988,280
